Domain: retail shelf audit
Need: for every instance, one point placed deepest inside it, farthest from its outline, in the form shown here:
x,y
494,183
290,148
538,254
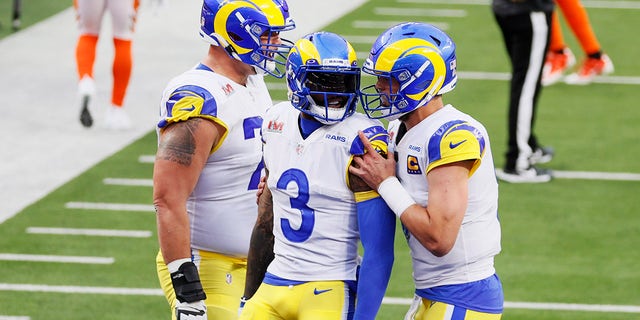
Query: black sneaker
x,y
529,175
86,91
541,155
85,116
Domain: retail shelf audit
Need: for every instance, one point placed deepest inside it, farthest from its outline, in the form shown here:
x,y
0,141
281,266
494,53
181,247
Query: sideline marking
x,y
110,206
384,24
386,300
14,318
128,182
420,12
79,289
147,159
91,232
584,175
621,176
51,258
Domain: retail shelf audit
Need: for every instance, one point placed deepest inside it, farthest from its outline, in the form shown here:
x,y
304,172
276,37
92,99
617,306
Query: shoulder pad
x,y
187,102
377,136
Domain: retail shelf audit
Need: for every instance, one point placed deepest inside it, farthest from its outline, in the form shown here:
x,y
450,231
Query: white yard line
x,y
128,182
57,259
91,232
110,206
420,12
587,175
150,158
80,289
384,24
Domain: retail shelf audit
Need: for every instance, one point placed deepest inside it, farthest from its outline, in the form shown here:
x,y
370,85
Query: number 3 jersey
x,y
315,218
222,207
447,136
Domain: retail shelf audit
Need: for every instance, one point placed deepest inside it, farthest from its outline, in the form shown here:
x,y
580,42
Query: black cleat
x,y
85,115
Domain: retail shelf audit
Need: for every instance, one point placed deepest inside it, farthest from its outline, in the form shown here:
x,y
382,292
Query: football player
x,y
209,160
89,14
445,193
312,208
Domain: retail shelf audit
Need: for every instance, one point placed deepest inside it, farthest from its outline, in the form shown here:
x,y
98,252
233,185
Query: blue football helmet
x,y
237,25
323,77
420,57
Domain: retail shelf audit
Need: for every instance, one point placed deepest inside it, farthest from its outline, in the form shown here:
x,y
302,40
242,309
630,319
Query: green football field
x,y
571,247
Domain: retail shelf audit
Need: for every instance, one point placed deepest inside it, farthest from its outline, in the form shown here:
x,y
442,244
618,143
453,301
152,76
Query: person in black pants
x,y
525,27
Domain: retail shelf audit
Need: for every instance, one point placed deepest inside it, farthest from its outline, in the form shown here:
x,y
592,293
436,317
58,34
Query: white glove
x,y
191,311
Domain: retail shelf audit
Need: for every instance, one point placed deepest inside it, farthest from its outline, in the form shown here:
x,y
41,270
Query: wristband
x,y
175,264
395,195
186,283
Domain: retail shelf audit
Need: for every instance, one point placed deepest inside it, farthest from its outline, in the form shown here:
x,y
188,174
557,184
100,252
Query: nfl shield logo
x,y
299,148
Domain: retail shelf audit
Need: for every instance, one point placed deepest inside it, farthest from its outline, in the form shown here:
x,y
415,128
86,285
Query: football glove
x,y
191,310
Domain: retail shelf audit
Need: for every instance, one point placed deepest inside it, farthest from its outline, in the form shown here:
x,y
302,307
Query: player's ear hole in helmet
x,y
416,58
323,77
249,31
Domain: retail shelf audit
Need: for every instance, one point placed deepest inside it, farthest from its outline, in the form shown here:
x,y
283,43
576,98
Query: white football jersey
x,y
315,216
448,136
222,208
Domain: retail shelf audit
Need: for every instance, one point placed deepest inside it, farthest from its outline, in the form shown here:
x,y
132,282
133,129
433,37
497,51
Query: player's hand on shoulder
x,y
373,167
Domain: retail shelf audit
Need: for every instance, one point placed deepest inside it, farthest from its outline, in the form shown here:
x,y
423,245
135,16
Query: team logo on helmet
x,y
419,59
246,29
323,77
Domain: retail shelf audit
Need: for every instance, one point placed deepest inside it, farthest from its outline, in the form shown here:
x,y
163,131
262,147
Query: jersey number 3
x,y
300,203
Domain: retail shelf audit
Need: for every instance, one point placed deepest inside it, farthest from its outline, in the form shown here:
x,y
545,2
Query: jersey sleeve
x,y
187,102
456,141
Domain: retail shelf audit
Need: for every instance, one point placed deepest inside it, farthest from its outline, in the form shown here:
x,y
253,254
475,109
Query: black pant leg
x,y
526,38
